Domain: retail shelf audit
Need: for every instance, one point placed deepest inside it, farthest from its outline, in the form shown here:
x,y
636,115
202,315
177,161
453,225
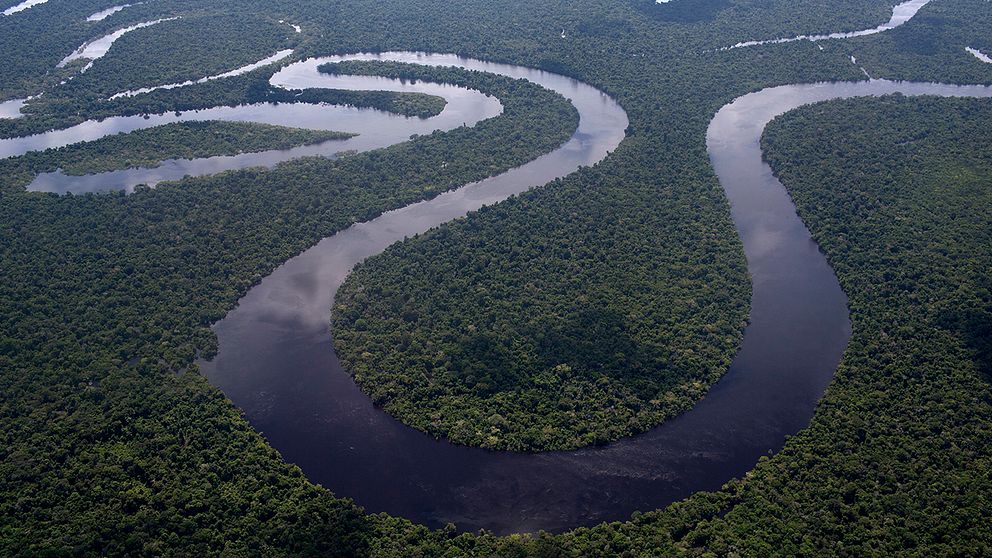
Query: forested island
x,y
56,111
149,147
626,279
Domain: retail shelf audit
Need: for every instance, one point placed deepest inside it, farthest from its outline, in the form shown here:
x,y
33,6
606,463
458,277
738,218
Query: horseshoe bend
x,y
597,279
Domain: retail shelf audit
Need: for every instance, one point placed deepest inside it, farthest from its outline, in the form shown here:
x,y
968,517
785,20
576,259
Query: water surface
x,y
12,108
979,55
281,55
22,6
97,48
375,128
276,357
104,14
901,13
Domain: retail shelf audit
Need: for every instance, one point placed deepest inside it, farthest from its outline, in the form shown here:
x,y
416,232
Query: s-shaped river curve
x,y
276,358
375,129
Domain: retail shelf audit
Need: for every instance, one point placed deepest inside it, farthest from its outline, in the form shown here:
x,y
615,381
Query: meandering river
x,y
375,128
276,359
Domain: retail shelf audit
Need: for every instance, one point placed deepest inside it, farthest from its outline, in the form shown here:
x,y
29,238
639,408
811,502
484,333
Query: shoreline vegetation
x,y
149,147
111,444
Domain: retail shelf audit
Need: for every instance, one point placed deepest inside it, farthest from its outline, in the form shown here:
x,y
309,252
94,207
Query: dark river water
x,y
277,362
276,359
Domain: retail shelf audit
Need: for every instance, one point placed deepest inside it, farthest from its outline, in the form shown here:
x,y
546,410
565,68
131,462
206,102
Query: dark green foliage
x,y
156,464
895,463
687,11
104,297
189,48
897,193
87,283
31,46
931,47
59,111
528,326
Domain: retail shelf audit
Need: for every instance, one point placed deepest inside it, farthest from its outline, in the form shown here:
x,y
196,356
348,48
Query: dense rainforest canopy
x,y
111,443
526,326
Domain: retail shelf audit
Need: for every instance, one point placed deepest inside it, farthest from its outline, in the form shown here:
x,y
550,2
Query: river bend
x,y
375,129
276,358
